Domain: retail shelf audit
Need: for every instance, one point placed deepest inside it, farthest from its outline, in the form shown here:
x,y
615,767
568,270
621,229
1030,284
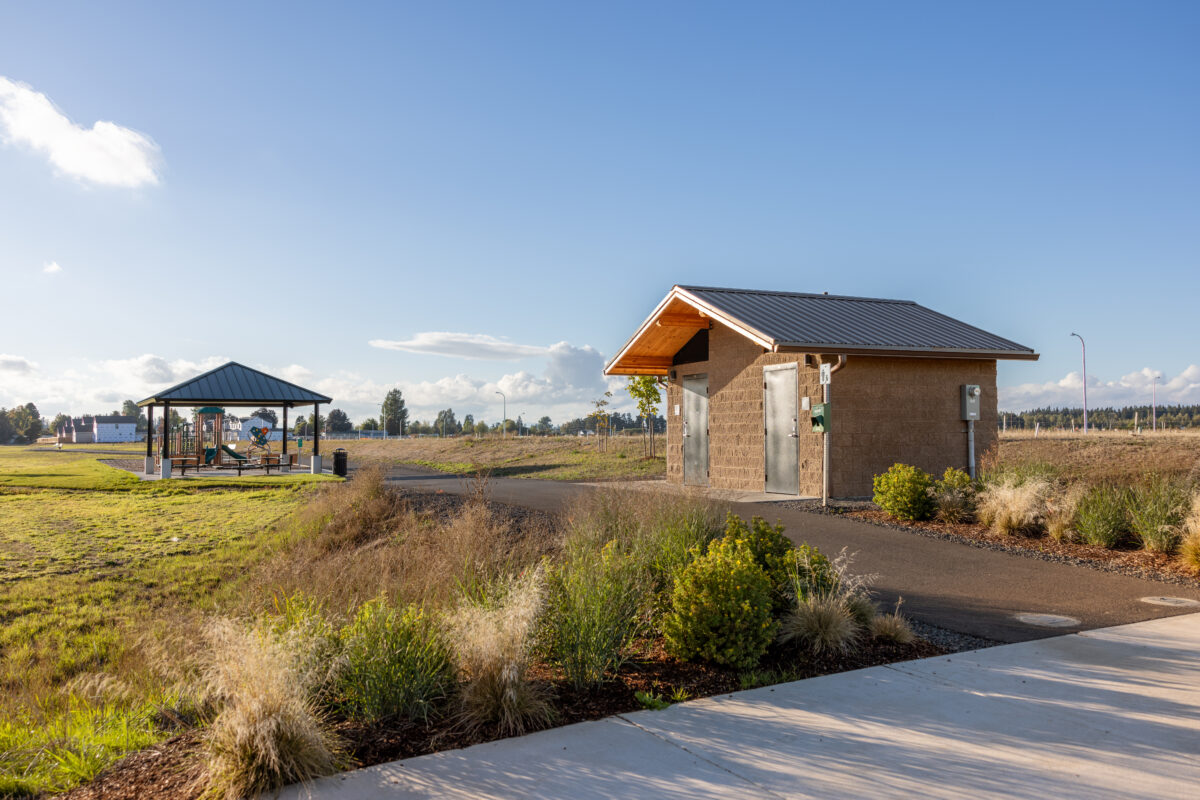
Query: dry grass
x,y
821,622
494,645
1013,505
268,733
1103,457
1061,508
364,540
1189,547
892,628
570,458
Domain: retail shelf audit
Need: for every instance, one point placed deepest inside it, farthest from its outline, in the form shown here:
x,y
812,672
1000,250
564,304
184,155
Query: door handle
x,y
685,430
795,423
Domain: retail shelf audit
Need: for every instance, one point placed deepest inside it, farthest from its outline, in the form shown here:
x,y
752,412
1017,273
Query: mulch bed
x,y
1136,563
172,770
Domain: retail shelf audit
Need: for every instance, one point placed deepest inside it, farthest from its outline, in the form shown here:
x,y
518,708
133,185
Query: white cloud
x,y
16,364
478,346
570,380
51,267
106,153
1128,390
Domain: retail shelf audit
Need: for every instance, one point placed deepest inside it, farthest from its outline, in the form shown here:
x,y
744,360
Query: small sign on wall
x,y
826,374
677,409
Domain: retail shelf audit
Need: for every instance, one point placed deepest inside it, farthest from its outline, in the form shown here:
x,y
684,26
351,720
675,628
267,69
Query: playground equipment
x,y
260,442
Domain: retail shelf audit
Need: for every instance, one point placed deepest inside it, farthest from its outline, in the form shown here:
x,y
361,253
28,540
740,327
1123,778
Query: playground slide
x,y
210,455
233,453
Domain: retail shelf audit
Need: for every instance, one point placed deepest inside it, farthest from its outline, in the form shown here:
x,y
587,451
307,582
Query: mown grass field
x,y
561,458
89,558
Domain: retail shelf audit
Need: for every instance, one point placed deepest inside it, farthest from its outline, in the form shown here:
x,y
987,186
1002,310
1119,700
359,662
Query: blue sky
x,y
285,184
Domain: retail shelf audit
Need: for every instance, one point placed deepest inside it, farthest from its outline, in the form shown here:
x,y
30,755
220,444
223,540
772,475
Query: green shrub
x,y
954,496
771,550
396,663
672,542
301,625
1156,511
1101,516
721,608
594,608
903,492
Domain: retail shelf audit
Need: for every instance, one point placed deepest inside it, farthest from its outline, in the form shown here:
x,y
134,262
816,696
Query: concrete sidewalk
x,y
1108,713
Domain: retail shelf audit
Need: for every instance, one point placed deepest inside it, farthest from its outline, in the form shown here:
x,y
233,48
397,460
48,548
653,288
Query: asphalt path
x,y
944,583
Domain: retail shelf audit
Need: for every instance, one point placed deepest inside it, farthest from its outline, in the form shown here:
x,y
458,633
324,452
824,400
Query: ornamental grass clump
x,y
1189,547
892,628
1101,517
903,492
1013,504
954,496
395,663
494,640
1062,506
596,605
721,608
1156,512
832,606
268,732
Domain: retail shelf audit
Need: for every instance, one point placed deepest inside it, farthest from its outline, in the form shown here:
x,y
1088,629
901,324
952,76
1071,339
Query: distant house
x,y
103,429
258,422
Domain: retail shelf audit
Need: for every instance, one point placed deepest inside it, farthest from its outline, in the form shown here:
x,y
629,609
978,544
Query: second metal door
x,y
781,421
695,430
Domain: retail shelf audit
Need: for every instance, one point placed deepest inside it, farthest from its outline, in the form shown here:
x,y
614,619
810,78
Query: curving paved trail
x,y
951,585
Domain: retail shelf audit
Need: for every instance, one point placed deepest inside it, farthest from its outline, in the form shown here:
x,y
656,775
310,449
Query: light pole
x,y
503,414
1084,346
1154,403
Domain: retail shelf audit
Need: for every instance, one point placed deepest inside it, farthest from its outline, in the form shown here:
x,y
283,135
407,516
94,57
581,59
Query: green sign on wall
x,y
820,417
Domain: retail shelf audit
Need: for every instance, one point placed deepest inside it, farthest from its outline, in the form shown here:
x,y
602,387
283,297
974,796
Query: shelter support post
x,y
316,456
149,440
165,464
284,458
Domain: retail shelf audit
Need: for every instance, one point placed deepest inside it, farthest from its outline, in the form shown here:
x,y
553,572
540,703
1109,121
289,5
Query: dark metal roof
x,y
828,323
235,384
121,420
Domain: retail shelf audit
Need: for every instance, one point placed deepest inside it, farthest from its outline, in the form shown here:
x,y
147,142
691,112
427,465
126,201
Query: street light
x,y
503,414
1081,342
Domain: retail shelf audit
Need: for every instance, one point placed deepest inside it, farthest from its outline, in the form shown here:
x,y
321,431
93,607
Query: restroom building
x,y
745,397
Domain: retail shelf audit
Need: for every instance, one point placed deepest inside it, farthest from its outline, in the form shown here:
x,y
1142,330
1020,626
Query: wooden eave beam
x,y
646,362
690,321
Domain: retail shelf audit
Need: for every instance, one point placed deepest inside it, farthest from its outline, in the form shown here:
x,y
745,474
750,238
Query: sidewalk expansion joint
x,y
667,740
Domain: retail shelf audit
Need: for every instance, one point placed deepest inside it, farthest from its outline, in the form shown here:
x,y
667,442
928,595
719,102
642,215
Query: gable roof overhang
x,y
235,384
686,309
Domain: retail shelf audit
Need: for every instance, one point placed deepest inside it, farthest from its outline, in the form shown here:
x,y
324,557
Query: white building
x,y
103,429
258,422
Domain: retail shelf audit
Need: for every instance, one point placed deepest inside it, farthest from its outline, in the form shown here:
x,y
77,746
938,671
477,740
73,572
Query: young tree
x,y
544,426
394,414
339,421
644,391
26,422
369,424
468,423
316,423
600,415
301,427
481,428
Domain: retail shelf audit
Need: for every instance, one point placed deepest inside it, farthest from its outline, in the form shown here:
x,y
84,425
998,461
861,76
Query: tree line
x,y
1169,416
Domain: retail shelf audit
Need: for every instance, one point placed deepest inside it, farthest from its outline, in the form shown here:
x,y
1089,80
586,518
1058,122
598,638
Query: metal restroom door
x,y
781,419
695,430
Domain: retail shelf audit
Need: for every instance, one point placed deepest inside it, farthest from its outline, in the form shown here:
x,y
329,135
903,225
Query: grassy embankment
x,y
89,557
561,458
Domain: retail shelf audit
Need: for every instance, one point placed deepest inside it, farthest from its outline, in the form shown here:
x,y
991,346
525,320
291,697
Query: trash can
x,y
339,462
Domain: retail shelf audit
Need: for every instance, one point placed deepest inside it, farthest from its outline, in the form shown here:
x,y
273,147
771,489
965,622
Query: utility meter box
x,y
970,401
820,418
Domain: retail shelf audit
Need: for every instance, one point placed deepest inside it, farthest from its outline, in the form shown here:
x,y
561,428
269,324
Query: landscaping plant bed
x,y
1135,563
172,770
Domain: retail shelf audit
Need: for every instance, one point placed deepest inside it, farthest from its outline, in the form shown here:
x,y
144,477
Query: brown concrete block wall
x,y
889,410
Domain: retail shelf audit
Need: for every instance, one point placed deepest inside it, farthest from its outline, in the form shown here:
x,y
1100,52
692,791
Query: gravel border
x,y
814,507
953,641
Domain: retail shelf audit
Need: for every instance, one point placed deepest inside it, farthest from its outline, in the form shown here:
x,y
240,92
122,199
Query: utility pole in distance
x,y
1084,345
504,413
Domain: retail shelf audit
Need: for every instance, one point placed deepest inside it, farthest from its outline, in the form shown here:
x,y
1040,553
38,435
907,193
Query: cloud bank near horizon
x,y
472,346
1133,389
105,154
